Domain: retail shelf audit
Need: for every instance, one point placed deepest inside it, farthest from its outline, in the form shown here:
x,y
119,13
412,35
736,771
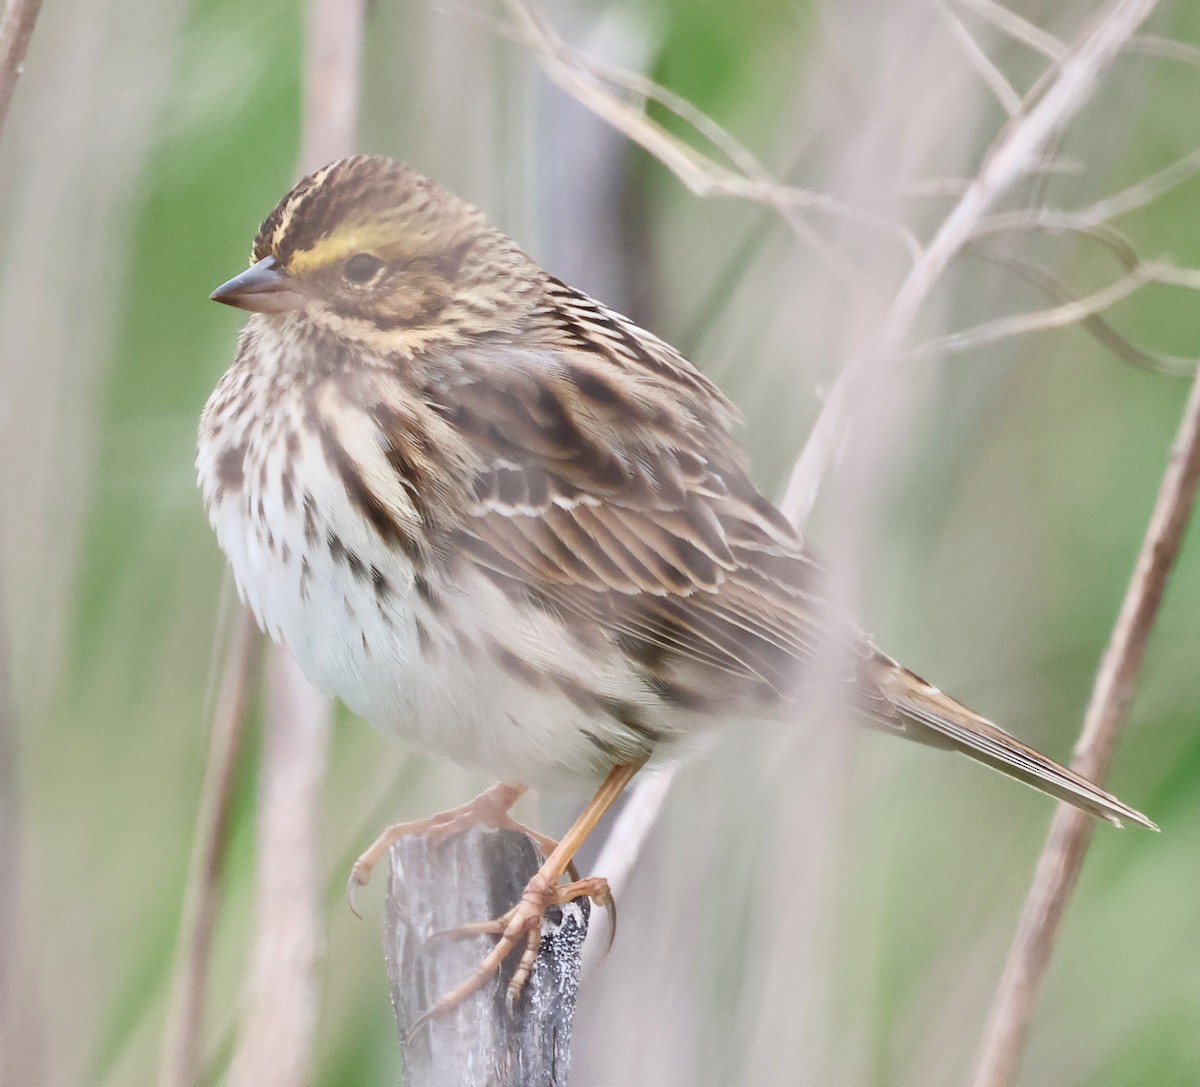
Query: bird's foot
x,y
519,927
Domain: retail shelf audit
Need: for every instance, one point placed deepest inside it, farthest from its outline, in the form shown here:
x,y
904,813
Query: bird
x,y
503,522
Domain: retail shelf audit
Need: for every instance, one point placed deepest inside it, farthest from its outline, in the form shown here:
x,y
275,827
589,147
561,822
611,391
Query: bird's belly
x,y
462,672
462,690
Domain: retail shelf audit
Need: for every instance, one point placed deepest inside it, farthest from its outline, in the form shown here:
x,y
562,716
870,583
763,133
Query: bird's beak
x,y
263,288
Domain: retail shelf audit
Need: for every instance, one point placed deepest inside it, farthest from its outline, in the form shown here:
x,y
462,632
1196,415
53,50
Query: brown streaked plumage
x,y
503,521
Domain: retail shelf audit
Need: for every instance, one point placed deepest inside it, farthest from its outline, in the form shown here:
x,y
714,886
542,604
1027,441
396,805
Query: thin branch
x,y
956,186
335,37
993,78
741,156
1022,143
1102,211
1062,858
1140,194
1068,313
1151,45
1049,221
1019,145
1089,224
182,1057
581,78
1096,326
16,30
1018,28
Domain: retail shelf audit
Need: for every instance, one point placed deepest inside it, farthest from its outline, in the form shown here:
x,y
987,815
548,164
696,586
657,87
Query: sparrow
x,y
503,522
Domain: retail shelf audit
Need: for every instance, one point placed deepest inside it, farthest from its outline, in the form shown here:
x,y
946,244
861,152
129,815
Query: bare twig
x,y
1019,145
16,29
1022,143
996,81
181,1057
956,186
1018,28
584,79
1062,858
1151,45
1100,212
1096,326
1091,224
1140,194
335,34
1069,312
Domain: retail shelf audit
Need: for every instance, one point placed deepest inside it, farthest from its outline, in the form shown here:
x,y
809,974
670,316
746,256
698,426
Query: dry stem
x,y
181,1058
1018,28
279,1028
16,29
14,1050
335,35
996,81
1061,859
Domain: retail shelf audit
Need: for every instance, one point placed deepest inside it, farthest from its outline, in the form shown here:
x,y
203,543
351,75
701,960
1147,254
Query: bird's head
x,y
372,251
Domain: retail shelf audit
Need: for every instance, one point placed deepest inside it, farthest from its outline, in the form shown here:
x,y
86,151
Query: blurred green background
x,y
817,905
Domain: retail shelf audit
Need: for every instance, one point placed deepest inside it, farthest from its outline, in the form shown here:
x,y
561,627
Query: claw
x,y
359,877
609,905
425,1019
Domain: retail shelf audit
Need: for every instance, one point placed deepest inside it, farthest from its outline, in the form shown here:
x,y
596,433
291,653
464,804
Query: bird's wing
x,y
608,488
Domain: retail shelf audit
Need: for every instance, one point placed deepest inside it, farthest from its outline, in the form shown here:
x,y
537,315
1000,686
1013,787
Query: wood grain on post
x,y
439,884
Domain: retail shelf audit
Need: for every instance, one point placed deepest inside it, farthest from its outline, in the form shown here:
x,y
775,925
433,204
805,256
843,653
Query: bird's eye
x,y
362,268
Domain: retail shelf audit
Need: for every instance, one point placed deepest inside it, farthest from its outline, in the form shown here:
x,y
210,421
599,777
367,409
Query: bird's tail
x,y
935,718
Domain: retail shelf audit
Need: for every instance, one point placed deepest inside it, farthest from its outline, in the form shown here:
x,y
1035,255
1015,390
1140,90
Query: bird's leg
x,y
523,923
490,809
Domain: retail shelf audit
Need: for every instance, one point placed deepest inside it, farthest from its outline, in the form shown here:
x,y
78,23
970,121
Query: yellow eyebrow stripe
x,y
333,248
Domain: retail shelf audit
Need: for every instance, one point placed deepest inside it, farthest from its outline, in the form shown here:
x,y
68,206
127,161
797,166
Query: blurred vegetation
x,y
999,561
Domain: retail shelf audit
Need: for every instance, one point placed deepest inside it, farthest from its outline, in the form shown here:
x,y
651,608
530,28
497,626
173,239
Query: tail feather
x,y
941,721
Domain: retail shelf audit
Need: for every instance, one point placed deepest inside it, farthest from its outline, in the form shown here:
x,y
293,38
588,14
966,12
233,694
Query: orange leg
x,y
523,923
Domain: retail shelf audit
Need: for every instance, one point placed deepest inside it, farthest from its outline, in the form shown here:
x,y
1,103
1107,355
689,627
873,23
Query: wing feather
x,y
610,487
